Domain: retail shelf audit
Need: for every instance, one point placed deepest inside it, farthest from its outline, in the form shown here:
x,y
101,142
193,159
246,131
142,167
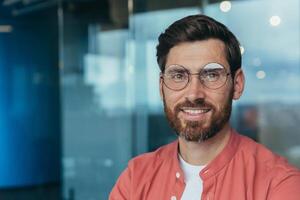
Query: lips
x,y
195,111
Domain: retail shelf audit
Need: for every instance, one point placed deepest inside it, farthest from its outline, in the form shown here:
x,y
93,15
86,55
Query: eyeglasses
x,y
212,76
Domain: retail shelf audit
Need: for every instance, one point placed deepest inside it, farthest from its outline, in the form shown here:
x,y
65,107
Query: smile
x,y
195,111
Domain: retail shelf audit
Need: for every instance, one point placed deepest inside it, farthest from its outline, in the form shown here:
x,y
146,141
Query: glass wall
x,y
30,144
96,88
111,105
80,96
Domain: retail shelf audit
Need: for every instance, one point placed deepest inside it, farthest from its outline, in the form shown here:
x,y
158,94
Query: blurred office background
x,y
79,87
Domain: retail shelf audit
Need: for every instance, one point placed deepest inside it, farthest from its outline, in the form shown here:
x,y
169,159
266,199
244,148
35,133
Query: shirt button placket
x,y
178,187
177,174
173,198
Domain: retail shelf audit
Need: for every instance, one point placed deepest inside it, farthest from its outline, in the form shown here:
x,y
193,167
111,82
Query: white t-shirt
x,y
193,182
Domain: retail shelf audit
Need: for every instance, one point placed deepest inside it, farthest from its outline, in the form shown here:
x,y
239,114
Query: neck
x,y
201,153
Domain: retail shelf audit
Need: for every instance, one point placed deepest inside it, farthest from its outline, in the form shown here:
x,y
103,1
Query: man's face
x,y
196,112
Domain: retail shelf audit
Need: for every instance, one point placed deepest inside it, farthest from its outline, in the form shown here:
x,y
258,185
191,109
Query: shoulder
x,y
263,156
140,170
271,167
261,153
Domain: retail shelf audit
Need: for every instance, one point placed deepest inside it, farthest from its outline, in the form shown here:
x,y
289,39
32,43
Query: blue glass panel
x,y
29,105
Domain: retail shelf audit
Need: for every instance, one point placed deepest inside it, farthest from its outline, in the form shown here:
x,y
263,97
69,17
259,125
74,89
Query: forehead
x,y
194,55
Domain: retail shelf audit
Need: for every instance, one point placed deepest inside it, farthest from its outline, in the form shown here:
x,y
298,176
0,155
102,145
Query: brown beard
x,y
194,130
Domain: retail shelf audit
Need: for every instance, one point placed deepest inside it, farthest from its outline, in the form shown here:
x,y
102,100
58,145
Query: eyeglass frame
x,y
198,74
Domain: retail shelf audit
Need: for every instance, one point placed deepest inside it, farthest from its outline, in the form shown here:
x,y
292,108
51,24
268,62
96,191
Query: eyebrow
x,y
178,70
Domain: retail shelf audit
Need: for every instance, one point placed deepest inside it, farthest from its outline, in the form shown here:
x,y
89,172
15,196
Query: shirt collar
x,y
223,158
216,164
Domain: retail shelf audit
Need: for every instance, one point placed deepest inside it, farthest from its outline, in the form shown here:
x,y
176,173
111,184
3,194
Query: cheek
x,y
219,100
226,102
172,98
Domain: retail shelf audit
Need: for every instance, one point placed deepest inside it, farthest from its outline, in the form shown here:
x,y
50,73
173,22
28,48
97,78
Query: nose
x,y
195,88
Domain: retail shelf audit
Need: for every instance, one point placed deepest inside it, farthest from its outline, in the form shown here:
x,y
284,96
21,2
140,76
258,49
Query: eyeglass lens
x,y
212,76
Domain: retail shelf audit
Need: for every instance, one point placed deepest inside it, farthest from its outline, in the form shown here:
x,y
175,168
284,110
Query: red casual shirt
x,y
243,170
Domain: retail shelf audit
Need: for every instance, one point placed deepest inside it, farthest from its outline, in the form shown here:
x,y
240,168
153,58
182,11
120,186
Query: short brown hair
x,y
197,28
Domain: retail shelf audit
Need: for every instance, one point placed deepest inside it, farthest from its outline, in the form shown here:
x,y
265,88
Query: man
x,y
201,74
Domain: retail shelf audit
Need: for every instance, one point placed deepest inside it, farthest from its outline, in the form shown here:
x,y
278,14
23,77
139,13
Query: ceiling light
x,y
225,6
260,74
275,20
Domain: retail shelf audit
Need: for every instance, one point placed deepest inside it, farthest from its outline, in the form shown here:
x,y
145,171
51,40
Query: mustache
x,y
193,104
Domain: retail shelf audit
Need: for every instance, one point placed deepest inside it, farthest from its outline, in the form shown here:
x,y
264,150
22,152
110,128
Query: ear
x,y
238,84
161,86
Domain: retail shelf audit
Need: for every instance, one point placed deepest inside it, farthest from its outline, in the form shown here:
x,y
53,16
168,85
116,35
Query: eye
x,y
211,75
178,76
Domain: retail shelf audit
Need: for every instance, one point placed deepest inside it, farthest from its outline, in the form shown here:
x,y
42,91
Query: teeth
x,y
198,111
